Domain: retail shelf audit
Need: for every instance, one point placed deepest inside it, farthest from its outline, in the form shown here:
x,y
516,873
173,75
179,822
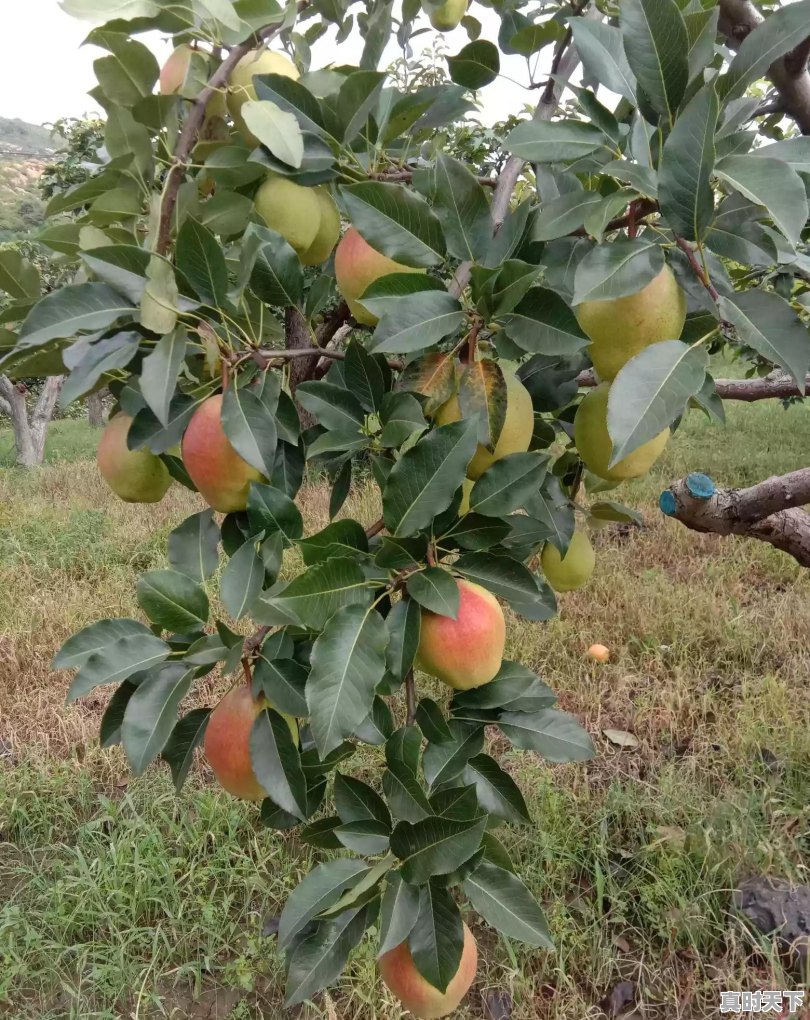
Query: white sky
x,y
51,80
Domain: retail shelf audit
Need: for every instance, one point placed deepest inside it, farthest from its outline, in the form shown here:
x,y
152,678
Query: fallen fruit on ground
x,y
416,994
465,652
221,475
357,266
136,476
572,571
599,653
227,742
518,426
241,88
621,328
595,447
447,16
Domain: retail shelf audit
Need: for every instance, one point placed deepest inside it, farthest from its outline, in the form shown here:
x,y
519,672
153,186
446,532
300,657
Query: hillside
x,y
18,135
25,149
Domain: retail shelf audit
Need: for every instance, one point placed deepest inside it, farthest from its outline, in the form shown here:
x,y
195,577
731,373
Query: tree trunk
x,y
95,408
29,431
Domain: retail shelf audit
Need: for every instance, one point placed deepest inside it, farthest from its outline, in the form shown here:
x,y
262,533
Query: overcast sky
x,y
50,79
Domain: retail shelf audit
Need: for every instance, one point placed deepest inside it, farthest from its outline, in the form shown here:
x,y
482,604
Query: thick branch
x,y
738,18
775,385
769,512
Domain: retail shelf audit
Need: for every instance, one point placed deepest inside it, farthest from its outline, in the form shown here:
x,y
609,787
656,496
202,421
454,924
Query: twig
x,y
697,268
254,642
375,528
410,697
264,356
407,175
247,672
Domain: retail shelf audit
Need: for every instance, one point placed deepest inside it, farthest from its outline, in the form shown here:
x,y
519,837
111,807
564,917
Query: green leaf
x,y
504,902
684,189
415,322
357,801
476,65
424,480
511,580
436,940
151,714
542,323
395,221
779,33
482,394
461,205
445,761
769,324
435,846
367,836
436,589
432,376
276,129
272,511
319,959
602,51
277,763
431,721
498,794
276,276
283,682
401,415
404,625
242,580
474,531
348,661
366,889
404,746
358,96
651,391
564,214
332,406
617,268
201,260
554,735
793,151
515,689
291,95
95,638
508,483
364,375
101,357
322,887
341,538
250,427
404,793
110,728
69,310
561,141
172,600
18,277
186,736
458,803
657,48
193,546
400,907
771,183
320,591
159,372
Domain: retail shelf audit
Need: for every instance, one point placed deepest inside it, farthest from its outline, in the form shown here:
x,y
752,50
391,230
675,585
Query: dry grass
x,y
141,904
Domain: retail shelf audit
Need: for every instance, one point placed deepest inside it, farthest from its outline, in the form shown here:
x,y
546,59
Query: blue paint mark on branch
x,y
700,486
666,502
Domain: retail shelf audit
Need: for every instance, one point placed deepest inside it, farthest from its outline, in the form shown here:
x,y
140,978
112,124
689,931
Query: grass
x,y
119,899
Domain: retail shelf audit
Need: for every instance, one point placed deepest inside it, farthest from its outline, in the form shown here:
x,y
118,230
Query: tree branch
x,y
738,18
775,385
697,268
768,512
407,175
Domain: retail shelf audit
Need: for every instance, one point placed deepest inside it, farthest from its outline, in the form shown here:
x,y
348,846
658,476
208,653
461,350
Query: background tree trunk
x,y
95,408
30,429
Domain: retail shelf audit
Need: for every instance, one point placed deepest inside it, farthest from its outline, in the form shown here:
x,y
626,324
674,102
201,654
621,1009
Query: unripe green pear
x,y
241,88
466,491
448,16
465,652
357,266
136,476
595,447
566,573
328,230
227,742
621,328
416,994
221,475
518,426
291,210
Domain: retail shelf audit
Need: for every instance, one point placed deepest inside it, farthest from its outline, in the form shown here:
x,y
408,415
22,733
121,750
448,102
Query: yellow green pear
x,y
466,490
621,328
566,573
448,16
242,90
595,446
306,217
517,430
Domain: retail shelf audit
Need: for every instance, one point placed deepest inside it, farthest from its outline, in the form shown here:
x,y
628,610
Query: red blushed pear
x,y
357,266
227,742
221,475
416,994
465,652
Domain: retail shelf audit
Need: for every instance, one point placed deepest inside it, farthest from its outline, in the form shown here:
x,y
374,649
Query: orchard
x,y
284,270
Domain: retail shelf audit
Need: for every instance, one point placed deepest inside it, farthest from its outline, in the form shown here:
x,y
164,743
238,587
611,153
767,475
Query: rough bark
x,y
30,428
769,511
775,385
789,74
95,409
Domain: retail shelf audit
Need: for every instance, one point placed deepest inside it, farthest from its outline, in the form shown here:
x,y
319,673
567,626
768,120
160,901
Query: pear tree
x,y
279,270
